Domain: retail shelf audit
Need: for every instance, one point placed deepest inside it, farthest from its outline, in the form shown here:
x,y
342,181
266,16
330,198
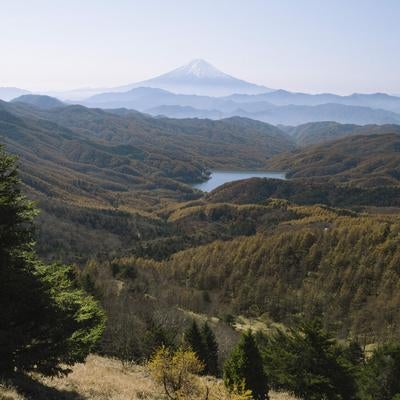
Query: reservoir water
x,y
218,178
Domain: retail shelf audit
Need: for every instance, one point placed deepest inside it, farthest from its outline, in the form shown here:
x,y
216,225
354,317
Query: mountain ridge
x,y
150,99
40,101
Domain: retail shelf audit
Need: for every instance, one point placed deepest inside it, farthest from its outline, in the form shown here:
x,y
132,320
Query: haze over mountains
x,y
9,93
199,90
198,77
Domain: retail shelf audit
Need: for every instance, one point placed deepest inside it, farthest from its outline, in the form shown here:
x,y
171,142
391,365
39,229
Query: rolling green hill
x,y
230,143
360,161
305,192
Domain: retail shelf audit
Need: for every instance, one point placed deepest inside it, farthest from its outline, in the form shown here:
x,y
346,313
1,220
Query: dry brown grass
x,y
100,378
103,378
8,393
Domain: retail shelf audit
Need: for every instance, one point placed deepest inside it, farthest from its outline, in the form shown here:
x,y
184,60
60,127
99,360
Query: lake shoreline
x,y
220,177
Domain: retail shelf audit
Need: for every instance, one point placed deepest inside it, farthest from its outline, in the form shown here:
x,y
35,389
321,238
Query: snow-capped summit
x,y
201,78
198,68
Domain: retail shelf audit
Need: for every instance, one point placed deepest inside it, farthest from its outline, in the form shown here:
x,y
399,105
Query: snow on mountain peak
x,y
199,69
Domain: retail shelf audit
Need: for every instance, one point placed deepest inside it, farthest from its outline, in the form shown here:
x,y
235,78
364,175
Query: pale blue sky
x,y
304,45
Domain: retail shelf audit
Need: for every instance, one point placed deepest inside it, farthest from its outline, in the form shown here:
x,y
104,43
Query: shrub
x,y
176,372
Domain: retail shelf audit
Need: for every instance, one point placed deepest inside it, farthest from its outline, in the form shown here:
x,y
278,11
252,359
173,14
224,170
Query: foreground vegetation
x,y
305,362
48,323
100,378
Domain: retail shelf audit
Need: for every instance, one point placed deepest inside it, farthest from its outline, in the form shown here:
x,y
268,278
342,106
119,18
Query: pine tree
x,y
380,377
308,362
45,319
194,340
155,337
211,349
245,366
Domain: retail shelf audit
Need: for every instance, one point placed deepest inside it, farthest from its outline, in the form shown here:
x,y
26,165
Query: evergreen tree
x,y
354,353
245,366
155,337
310,364
194,340
45,319
211,350
380,377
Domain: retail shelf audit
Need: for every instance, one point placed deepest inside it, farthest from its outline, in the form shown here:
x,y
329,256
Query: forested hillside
x,y
298,261
98,176
304,191
359,161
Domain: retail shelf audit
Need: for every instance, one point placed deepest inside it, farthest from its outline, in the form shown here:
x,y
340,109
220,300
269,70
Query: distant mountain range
x,y
301,135
274,107
199,90
284,98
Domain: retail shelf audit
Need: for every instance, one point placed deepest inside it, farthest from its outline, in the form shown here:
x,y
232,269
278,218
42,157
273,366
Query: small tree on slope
x,y
309,363
194,340
245,366
211,347
380,377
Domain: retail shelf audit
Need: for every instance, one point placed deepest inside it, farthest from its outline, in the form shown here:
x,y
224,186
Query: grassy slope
x,y
99,379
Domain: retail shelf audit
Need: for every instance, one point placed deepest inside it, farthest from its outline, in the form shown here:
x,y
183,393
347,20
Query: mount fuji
x,y
200,78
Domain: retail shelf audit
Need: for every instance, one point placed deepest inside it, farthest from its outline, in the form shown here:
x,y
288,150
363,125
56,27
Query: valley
x,y
120,199
123,184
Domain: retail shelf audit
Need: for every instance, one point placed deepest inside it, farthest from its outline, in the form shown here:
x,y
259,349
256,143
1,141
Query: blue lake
x,y
218,178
